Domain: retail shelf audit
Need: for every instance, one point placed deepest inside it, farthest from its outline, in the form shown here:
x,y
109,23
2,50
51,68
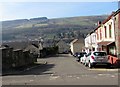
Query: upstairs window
x,y
105,31
110,31
97,36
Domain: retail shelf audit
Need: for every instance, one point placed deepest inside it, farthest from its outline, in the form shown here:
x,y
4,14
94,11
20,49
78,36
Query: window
x,y
93,49
97,36
112,50
99,53
110,32
105,31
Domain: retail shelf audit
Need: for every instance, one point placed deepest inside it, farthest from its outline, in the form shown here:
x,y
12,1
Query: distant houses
x,y
63,47
33,48
106,37
76,45
19,54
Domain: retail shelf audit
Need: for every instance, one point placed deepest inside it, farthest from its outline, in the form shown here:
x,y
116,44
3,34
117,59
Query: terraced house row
x,y
106,37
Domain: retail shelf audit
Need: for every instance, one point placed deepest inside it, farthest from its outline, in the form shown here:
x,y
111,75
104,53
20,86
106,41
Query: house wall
x,y
105,36
88,41
71,48
93,41
108,24
77,46
62,47
117,33
98,34
7,58
16,58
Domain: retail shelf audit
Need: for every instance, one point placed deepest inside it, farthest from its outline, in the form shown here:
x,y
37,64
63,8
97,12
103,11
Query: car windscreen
x,y
99,53
81,54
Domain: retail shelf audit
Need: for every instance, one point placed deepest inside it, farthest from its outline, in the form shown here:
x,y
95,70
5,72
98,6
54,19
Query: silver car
x,y
82,59
96,58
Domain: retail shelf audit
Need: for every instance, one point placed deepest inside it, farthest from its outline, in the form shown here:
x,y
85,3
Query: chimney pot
x,y
99,23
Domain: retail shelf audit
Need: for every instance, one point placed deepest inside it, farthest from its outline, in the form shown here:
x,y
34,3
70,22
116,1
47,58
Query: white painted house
x,y
94,44
105,33
90,42
87,43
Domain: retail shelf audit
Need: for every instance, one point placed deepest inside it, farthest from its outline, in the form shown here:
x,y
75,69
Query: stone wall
x,y
16,58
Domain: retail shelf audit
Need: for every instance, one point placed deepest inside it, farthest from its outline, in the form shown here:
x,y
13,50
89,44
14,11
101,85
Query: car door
x,y
87,58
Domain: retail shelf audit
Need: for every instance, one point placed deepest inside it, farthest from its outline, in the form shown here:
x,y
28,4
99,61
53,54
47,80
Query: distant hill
x,y
70,27
14,23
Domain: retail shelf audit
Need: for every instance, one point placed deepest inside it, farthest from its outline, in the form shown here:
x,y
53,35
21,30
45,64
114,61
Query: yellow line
x,y
104,69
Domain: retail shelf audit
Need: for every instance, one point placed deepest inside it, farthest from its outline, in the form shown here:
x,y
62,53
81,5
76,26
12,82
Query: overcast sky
x,y
27,10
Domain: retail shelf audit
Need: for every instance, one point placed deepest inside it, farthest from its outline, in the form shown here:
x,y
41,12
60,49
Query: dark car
x,y
78,55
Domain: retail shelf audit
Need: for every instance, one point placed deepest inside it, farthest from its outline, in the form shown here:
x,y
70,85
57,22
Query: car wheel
x,y
80,62
89,65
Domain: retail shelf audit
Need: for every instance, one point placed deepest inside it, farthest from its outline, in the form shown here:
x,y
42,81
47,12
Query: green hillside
x,y
71,27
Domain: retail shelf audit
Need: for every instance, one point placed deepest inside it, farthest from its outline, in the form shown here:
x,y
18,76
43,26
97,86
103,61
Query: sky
x,y
27,10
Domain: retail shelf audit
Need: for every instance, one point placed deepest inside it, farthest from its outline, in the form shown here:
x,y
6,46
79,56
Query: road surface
x,y
63,70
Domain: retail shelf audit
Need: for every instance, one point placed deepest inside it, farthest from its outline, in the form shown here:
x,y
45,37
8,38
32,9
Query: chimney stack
x,y
99,23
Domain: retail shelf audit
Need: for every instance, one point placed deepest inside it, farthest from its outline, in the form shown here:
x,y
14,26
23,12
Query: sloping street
x,y
62,69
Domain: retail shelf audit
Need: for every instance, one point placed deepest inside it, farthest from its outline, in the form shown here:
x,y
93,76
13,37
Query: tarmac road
x,y
62,70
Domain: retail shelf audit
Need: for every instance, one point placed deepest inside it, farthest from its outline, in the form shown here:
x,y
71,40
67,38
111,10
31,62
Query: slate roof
x,y
20,45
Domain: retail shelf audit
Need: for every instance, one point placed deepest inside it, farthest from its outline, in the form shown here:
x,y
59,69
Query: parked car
x,y
82,59
96,58
76,54
79,55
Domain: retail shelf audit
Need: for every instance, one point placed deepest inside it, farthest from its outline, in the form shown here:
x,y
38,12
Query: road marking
x,y
78,77
31,80
103,69
69,76
103,74
113,76
54,77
